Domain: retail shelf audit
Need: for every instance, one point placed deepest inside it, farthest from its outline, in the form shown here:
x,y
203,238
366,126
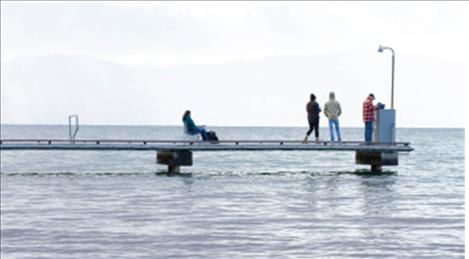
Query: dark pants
x,y
313,125
202,132
368,131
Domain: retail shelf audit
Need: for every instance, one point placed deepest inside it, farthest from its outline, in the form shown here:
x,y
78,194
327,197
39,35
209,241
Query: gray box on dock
x,y
385,126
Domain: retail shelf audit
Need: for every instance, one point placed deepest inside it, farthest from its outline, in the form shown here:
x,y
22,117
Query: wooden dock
x,y
175,153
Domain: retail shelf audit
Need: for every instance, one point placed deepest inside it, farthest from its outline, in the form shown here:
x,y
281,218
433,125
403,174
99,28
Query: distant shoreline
x,y
212,126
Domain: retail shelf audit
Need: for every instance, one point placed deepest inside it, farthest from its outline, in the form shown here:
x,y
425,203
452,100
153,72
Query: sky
x,y
430,40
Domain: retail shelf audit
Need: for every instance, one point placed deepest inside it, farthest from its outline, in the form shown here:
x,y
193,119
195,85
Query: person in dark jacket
x,y
191,128
313,110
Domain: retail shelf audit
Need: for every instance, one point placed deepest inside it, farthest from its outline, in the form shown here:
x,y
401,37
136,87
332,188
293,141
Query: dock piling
x,y
174,159
376,159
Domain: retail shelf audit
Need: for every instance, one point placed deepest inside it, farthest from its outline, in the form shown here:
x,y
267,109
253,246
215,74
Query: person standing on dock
x,y
191,128
369,116
332,111
313,110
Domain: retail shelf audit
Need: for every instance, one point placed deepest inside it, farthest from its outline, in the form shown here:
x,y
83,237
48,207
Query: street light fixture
x,y
380,49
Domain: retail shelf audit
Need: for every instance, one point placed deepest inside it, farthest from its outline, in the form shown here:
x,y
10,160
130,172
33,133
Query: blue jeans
x,y
334,123
202,132
368,131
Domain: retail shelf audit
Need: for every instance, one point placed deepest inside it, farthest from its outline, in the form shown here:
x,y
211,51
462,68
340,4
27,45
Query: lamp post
x,y
381,48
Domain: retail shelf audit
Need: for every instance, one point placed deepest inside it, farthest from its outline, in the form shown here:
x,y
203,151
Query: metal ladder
x,y
77,127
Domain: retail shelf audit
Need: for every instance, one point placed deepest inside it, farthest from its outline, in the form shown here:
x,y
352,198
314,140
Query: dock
x,y
176,153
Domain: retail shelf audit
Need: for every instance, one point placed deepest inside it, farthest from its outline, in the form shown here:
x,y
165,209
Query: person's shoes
x,y
317,140
305,141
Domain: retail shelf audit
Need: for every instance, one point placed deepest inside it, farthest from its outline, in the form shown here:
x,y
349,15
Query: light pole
x,y
381,48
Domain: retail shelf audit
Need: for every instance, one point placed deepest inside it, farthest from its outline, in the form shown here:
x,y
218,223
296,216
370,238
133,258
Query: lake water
x,y
121,204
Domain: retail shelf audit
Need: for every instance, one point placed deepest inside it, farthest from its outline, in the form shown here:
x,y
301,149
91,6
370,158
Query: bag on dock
x,y
212,136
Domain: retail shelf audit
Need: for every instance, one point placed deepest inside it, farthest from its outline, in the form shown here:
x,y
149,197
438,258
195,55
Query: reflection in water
x,y
168,174
164,173
377,194
367,172
377,205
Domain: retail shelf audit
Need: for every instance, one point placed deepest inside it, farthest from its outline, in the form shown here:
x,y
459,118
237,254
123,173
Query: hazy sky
x,y
149,34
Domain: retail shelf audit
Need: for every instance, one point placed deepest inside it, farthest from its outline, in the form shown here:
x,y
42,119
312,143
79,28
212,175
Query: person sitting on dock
x,y
369,116
191,128
332,111
312,107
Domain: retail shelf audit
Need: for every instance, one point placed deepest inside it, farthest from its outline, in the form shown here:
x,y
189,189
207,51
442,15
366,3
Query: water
x,y
87,204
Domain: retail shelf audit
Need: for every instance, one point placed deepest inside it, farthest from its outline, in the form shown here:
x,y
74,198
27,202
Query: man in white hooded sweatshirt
x,y
332,111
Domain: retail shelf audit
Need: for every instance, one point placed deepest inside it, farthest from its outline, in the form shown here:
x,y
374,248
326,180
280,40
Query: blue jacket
x,y
189,125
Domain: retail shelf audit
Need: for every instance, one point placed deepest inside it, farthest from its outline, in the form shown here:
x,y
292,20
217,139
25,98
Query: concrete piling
x,y
376,159
174,159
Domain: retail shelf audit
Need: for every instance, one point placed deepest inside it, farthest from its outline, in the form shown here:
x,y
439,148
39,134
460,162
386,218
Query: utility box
x,y
385,126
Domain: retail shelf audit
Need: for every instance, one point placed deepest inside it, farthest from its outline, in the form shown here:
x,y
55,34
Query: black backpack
x,y
212,136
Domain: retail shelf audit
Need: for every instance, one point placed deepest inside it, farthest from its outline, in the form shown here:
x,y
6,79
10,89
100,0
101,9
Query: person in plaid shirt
x,y
369,116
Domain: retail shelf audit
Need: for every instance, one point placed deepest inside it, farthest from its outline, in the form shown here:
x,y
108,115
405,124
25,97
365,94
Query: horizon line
x,y
217,126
